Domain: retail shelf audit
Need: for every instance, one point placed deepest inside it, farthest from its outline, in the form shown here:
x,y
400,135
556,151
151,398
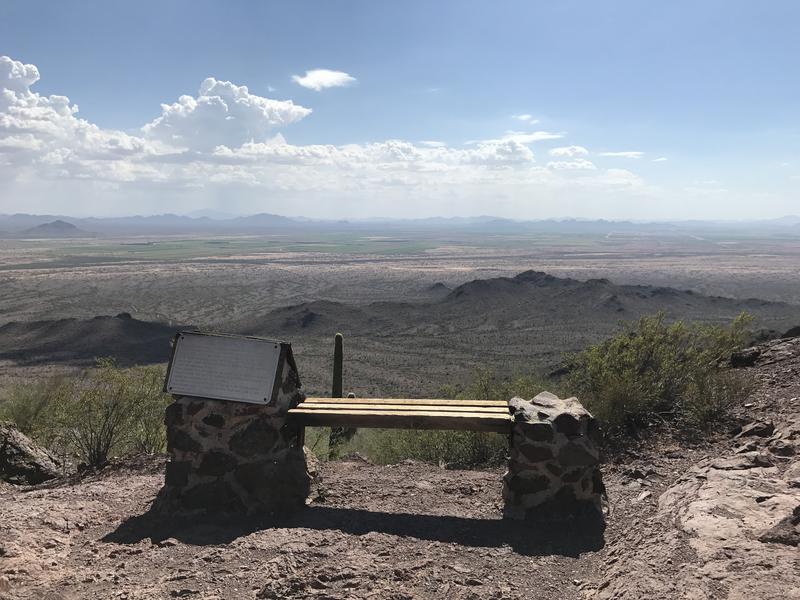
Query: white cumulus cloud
x,y
522,137
625,154
221,114
579,164
226,142
42,135
569,151
320,79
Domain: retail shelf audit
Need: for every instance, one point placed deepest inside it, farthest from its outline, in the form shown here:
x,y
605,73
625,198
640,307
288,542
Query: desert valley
x,y
423,308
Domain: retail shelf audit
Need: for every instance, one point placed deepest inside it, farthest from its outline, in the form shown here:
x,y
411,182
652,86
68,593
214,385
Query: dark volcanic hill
x,y
528,301
54,229
81,341
511,325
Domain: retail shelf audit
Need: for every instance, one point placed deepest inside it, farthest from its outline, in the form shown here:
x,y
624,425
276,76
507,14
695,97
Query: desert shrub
x,y
461,449
27,405
486,384
148,433
658,372
317,440
105,410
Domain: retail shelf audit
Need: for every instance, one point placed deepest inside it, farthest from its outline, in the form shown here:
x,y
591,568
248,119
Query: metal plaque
x,y
223,367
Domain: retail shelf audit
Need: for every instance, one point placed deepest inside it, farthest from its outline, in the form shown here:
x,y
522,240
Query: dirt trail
x,y
404,531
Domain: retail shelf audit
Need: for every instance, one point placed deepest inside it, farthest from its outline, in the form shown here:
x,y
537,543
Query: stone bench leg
x,y
235,457
554,460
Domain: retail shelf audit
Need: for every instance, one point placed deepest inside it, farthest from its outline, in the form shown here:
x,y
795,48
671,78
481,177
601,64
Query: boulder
x,y
757,428
786,531
23,462
792,474
746,357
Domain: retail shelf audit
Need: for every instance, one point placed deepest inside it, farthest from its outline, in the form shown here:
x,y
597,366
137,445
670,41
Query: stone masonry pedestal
x,y
235,456
553,468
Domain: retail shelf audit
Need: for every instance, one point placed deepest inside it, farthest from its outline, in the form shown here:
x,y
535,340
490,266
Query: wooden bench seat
x,y
394,413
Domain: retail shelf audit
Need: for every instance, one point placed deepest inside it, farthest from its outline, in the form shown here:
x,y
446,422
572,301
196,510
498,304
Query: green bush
x,y
657,372
27,405
103,411
459,449
486,384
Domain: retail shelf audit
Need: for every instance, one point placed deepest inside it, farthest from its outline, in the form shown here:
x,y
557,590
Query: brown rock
x,y
792,474
748,460
214,420
786,531
576,455
216,463
526,485
567,424
178,439
173,415
746,357
536,453
23,462
757,428
781,448
257,437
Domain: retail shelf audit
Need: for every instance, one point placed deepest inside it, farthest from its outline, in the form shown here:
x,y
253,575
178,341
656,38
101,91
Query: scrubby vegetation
x,y
105,411
652,373
655,372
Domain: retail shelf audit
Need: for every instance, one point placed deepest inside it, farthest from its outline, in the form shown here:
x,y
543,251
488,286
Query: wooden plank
x,y
409,401
353,405
464,421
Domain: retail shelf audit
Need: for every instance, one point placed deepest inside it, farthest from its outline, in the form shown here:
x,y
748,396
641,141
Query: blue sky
x,y
672,110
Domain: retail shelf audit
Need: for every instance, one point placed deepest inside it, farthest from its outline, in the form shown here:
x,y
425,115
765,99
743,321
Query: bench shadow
x,y
570,537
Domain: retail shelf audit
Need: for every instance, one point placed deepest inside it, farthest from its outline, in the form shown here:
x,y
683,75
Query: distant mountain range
x,y
27,225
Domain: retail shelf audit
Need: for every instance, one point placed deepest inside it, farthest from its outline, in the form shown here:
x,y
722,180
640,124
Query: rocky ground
x,y
710,520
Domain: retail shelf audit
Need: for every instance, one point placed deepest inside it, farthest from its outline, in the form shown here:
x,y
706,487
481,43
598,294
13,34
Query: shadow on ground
x,y
566,537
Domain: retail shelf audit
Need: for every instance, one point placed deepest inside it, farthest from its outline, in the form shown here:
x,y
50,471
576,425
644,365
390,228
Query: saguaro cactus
x,y
338,434
338,359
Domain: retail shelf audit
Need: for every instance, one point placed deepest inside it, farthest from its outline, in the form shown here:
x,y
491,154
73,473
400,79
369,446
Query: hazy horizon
x,y
216,216
528,111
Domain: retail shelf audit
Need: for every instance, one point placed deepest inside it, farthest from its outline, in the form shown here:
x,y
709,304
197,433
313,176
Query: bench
x,y
235,431
394,413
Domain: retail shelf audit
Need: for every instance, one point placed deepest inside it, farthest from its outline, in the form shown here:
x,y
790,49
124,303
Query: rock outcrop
x,y
736,517
22,462
554,457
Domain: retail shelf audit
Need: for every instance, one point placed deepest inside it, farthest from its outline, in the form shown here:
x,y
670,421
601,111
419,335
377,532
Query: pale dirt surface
x,y
684,523
404,531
